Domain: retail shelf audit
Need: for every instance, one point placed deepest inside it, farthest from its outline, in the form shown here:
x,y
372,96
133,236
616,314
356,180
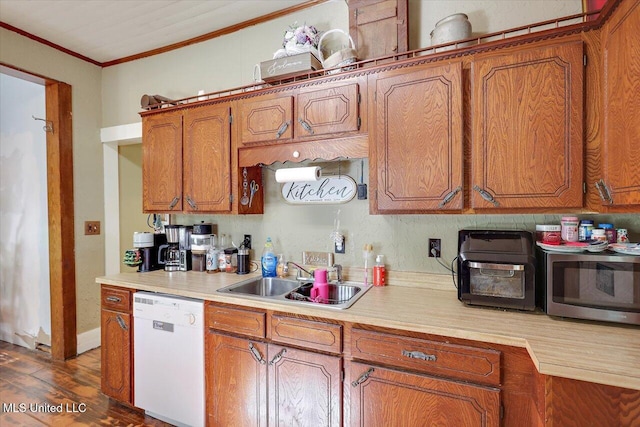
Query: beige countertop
x,y
590,351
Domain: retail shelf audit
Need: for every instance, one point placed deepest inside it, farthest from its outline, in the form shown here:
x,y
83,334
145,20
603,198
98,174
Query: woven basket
x,y
338,61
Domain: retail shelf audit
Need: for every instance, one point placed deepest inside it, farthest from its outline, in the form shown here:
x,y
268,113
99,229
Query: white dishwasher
x,y
168,355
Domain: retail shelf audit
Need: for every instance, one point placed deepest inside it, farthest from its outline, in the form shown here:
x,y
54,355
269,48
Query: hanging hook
x,y
48,126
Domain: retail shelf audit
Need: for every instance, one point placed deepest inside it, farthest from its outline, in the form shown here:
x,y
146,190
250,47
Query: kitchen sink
x,y
263,286
340,295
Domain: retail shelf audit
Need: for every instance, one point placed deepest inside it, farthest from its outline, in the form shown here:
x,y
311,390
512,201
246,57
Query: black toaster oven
x,y
497,268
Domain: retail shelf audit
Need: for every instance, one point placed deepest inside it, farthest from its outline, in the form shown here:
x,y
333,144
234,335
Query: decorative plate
x,y
626,248
562,248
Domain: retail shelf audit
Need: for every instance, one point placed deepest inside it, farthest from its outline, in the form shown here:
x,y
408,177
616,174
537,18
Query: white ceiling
x,y
109,30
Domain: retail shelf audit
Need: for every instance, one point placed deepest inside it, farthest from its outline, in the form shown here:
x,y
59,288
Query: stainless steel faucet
x,y
299,269
338,270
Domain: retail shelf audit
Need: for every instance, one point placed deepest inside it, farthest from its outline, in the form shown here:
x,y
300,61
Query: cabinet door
x,y
305,388
379,27
330,110
266,118
207,159
527,148
385,397
236,381
162,162
116,355
418,139
621,154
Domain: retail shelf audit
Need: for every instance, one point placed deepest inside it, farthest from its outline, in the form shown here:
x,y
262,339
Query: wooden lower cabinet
x,y
116,355
236,381
305,388
389,397
116,330
250,383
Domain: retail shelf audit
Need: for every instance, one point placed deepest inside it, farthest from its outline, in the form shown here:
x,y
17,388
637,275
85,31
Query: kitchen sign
x,y
327,190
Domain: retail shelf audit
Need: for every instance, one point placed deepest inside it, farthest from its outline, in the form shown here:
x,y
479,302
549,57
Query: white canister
x,y
450,29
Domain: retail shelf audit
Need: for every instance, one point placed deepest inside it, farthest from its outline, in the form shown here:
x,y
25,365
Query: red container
x,y
548,234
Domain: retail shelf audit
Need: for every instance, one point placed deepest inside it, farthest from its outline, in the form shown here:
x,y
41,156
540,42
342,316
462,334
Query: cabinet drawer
x,y
462,362
306,333
116,299
235,320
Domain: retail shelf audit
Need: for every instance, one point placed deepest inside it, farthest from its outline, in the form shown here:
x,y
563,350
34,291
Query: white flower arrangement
x,y
299,39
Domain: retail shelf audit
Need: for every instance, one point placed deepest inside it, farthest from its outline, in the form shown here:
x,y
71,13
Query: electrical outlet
x,y
434,246
91,228
341,249
247,241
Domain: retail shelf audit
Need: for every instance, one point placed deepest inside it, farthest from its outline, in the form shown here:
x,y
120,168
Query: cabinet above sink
x,y
322,120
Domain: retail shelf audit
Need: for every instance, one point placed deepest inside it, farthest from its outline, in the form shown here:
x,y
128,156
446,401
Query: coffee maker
x,y
169,254
148,244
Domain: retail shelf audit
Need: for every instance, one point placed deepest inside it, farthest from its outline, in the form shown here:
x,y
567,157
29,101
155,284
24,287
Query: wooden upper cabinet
x,y
162,162
331,110
207,159
317,112
379,27
621,147
266,118
416,160
527,146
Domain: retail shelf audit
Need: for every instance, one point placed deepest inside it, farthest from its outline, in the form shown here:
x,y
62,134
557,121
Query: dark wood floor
x,y
41,385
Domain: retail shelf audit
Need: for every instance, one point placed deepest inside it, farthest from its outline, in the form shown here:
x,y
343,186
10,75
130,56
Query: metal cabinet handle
x,y
256,354
306,126
605,193
174,202
492,266
485,195
123,325
192,203
449,197
111,298
282,129
278,356
362,378
419,355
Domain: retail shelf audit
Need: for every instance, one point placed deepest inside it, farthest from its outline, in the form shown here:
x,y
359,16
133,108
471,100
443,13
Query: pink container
x,y
320,290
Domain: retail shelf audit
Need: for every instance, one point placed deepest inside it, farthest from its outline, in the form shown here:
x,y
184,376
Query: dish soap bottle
x,y
269,259
379,272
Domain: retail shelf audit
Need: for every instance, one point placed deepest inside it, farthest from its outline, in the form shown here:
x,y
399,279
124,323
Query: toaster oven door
x,y
497,280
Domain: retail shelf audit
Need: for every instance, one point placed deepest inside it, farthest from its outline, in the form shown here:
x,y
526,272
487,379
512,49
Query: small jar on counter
x,y
598,235
569,226
584,232
231,260
548,234
622,235
609,231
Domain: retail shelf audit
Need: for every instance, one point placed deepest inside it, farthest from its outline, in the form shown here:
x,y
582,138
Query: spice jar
x,y
569,228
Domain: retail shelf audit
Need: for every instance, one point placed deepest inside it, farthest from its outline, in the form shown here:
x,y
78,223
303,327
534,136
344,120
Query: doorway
x,y
25,315
60,207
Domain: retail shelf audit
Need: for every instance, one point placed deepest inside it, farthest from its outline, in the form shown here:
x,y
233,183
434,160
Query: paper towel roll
x,y
298,174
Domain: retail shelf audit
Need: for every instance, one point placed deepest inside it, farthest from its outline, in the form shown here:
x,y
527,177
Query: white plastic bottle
x,y
269,259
